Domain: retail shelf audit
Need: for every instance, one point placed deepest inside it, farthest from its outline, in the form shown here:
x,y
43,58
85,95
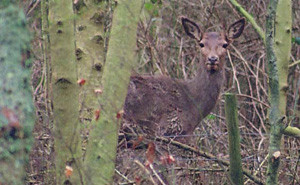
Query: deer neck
x,y
205,89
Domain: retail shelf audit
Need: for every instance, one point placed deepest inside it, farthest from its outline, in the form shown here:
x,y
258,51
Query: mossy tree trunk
x,y
283,65
282,48
65,93
235,167
16,106
91,18
278,46
101,150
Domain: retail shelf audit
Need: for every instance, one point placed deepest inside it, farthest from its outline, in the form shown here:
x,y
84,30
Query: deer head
x,y
213,45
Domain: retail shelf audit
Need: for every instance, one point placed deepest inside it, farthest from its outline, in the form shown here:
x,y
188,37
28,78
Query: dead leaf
x,y
137,142
11,117
120,114
138,180
150,154
276,154
97,114
171,159
81,82
167,159
68,171
98,91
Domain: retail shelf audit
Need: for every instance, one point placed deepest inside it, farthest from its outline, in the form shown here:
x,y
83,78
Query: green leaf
x,y
149,6
296,40
155,12
211,117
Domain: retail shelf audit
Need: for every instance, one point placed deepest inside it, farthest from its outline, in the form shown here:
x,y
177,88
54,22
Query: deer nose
x,y
213,59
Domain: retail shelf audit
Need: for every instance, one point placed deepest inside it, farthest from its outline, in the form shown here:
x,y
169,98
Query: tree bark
x,y
235,167
278,46
65,90
282,48
90,53
101,150
16,106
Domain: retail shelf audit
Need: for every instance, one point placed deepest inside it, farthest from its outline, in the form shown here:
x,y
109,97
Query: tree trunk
x,y
65,90
16,106
278,46
282,48
90,52
235,167
101,150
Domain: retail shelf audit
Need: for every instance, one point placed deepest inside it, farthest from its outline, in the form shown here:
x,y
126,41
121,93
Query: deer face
x,y
213,45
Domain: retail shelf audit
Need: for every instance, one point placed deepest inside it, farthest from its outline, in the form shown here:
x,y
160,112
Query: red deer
x,y
164,106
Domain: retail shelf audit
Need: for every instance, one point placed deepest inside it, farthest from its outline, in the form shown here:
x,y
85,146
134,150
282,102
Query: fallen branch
x,y
208,156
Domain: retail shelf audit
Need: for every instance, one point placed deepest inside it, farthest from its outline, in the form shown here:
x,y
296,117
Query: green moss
x,y
15,93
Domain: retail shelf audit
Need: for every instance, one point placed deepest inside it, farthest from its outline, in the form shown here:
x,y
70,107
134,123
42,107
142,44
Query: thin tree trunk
x,y
65,90
47,116
235,167
16,106
282,48
278,46
101,150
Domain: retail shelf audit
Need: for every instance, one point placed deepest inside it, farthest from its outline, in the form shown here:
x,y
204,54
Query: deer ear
x,y
191,28
236,29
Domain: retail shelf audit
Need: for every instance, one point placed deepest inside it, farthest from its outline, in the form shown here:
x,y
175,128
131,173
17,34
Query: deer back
x,y
161,105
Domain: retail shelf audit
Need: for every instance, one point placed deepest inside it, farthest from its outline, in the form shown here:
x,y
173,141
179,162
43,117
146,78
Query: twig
x,y
255,99
295,63
146,170
124,177
208,156
294,176
249,17
246,63
157,176
234,73
32,7
257,170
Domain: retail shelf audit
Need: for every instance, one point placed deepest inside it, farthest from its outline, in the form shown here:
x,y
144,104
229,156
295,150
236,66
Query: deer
x,y
164,106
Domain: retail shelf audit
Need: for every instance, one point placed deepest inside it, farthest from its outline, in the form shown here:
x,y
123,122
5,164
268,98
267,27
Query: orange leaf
x,y
81,82
97,114
138,180
11,117
68,171
137,142
171,159
167,159
120,114
150,154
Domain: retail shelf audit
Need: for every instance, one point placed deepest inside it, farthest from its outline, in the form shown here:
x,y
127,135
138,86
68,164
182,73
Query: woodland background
x,y
162,48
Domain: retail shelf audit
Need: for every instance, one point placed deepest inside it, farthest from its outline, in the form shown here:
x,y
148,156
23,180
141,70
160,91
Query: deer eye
x,y
225,45
201,45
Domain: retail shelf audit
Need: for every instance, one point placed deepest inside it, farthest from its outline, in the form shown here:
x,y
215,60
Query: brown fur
x,y
161,105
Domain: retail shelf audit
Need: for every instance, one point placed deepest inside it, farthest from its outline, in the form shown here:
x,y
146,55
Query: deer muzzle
x,y
212,66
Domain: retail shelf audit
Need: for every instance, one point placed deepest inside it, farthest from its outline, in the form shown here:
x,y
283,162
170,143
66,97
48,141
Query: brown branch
x,y
208,156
